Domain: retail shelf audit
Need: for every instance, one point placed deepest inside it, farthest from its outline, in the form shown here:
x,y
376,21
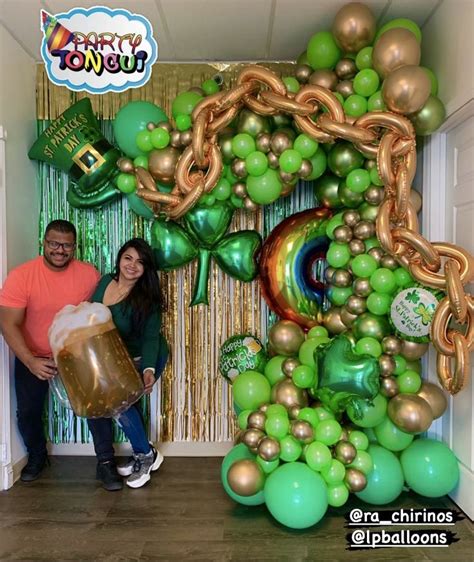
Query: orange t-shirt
x,y
43,293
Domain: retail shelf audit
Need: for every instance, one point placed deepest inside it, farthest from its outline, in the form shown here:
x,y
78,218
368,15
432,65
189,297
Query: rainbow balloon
x,y
291,259
56,34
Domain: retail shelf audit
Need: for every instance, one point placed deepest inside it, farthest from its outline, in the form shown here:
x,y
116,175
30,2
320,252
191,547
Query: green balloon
x,y
400,22
375,178
409,382
303,58
368,414
400,364
290,449
292,84
208,225
239,452
268,466
290,161
323,413
379,303
326,191
328,432
349,198
385,481
376,102
251,389
172,245
359,440
343,158
358,180
273,370
241,353
366,82
319,163
210,87
126,183
264,189
322,50
307,349
383,281
355,105
430,117
223,190
309,415
138,206
338,295
276,410
403,278
338,494
318,331
304,376
237,254
318,456
184,103
362,461
430,468
368,346
143,141
433,80
141,161
338,255
160,138
132,119
243,417
243,144
333,223
391,437
334,472
306,146
277,426
364,58
183,122
364,265
256,163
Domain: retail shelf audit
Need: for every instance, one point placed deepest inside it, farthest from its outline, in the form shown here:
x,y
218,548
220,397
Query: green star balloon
x,y
203,235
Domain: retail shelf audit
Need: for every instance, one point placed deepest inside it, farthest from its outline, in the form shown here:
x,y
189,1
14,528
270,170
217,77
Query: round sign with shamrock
x,y
411,313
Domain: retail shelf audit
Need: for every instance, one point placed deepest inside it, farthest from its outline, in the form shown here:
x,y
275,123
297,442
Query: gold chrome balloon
x,y
332,321
302,430
406,89
412,350
252,438
286,337
286,393
396,48
162,164
410,413
289,365
435,397
391,345
387,364
256,420
245,477
346,69
354,27
355,480
269,449
389,387
345,452
325,78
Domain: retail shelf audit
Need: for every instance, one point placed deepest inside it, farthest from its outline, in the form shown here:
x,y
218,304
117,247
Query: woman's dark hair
x,y
145,297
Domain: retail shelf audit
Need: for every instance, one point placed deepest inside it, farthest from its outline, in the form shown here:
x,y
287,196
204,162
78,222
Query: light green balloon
x,y
365,414
290,449
268,466
391,437
251,389
328,432
273,369
307,348
359,440
333,473
264,189
363,462
318,456
338,494
385,481
277,426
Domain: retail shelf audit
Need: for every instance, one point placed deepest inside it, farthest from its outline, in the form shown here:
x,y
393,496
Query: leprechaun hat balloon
x,y
74,143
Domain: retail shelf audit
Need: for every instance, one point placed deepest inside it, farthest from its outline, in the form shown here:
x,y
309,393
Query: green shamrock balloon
x,y
344,374
203,235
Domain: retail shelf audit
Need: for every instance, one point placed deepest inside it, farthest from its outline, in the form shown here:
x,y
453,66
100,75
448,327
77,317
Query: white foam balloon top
x,y
71,318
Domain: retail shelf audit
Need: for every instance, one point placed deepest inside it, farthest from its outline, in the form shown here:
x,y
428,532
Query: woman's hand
x,y
148,380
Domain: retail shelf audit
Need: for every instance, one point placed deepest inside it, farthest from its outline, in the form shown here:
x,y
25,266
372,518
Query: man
x,y
31,296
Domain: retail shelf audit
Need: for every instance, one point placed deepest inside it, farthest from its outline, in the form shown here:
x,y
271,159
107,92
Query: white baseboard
x,y
171,449
10,473
462,494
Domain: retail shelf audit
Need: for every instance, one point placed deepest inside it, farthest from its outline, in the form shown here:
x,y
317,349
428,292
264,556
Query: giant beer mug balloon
x,y
93,363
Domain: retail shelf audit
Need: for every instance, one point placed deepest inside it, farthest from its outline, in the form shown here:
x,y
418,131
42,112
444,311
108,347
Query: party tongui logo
x,y
98,50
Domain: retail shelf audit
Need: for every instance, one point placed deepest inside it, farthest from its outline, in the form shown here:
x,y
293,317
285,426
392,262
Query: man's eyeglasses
x,y
66,246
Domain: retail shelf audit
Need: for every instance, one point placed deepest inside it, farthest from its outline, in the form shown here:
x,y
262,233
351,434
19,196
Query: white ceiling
x,y
216,30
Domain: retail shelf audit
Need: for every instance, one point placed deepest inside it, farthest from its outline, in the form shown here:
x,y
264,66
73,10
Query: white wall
x,y
17,118
447,48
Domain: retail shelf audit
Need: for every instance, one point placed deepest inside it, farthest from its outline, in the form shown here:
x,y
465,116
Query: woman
x,y
133,296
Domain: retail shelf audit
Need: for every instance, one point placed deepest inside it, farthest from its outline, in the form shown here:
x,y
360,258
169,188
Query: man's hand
x,y
148,380
44,369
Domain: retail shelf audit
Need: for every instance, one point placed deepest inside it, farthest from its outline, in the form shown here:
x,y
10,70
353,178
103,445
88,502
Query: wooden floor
x,y
183,514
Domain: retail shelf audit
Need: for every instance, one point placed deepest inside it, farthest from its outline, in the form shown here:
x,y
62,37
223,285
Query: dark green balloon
x,y
138,205
326,192
241,353
348,197
343,158
430,117
209,224
172,245
236,254
370,325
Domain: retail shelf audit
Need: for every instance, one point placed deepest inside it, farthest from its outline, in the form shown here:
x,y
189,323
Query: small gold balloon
x,y
343,234
256,420
341,278
410,413
125,165
289,365
286,177
347,317
328,274
225,144
354,27
376,253
302,430
273,161
416,200
389,262
240,190
362,287
288,394
435,397
355,480
162,164
305,169
294,412
356,247
286,337
287,189
280,142
238,437
406,89
370,325
387,365
186,137
344,434
239,168
346,69
245,477
397,47
364,230
269,449
391,345
252,123
374,195
389,387
356,305
250,206
263,408
412,350
351,218
252,437
345,452
302,73
263,141
345,88
175,139
324,78
332,321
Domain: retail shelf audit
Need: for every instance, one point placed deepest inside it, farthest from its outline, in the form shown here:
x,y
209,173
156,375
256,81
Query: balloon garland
x,y
337,394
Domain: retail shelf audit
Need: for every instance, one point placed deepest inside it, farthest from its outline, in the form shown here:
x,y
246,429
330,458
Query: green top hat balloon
x,y
74,143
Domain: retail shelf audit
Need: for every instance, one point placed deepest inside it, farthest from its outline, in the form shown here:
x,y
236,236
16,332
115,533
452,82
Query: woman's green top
x,y
147,344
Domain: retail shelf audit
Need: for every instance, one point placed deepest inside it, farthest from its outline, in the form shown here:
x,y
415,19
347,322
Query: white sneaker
x,y
143,465
126,468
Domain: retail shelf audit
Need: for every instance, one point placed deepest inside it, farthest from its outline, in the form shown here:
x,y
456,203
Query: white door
x,y
449,216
